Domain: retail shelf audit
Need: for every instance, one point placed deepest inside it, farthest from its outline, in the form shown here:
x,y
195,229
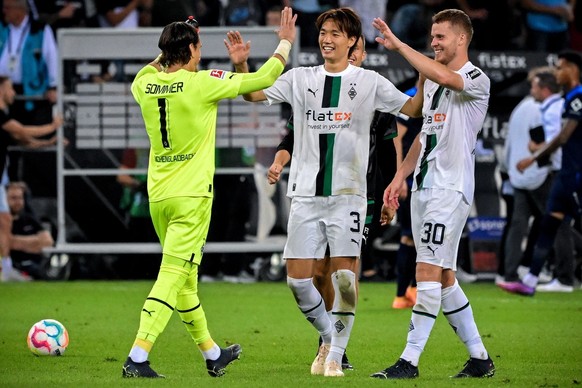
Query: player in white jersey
x,y
333,107
456,97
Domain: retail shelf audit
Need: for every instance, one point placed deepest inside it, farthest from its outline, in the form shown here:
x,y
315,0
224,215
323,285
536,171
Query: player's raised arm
x,y
432,69
239,51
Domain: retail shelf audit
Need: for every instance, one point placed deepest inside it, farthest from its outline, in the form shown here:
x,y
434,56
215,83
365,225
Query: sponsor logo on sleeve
x,y
474,73
218,73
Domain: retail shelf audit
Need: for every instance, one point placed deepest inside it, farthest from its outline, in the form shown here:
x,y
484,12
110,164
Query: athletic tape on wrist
x,y
283,49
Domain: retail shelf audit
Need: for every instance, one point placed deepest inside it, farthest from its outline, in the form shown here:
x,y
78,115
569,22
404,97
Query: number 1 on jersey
x,y
163,109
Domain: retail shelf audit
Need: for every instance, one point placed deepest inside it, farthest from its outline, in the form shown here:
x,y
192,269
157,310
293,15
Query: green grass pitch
x,y
534,342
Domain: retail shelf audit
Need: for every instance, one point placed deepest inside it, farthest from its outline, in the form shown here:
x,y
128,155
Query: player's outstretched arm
x,y
286,33
238,51
253,83
433,70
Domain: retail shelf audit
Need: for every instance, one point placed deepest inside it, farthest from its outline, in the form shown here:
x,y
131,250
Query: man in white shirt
x,y
333,107
442,158
538,115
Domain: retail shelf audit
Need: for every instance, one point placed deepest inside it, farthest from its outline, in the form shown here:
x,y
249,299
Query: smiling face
x,y
446,40
334,43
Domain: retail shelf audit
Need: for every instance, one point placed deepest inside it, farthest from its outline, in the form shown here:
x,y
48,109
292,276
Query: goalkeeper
x,y
179,107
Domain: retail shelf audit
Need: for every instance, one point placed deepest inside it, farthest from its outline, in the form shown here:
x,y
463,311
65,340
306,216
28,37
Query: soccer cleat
x,y
477,368
318,365
401,370
517,288
402,302
499,280
544,277
554,286
333,369
465,277
411,294
14,275
217,368
346,363
138,369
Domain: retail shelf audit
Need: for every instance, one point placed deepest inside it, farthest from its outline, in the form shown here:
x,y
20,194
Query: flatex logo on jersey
x,y
328,120
435,122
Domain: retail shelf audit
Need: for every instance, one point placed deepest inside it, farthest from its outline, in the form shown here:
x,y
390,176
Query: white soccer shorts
x,y
315,222
438,218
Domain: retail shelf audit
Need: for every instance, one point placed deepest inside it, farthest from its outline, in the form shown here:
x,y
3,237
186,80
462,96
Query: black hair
x,y
573,57
175,43
347,21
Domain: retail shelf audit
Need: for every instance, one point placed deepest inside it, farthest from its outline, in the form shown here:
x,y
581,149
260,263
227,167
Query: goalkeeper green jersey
x,y
179,110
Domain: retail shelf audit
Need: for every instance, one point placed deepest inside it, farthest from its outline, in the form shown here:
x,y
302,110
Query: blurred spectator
x,y
546,23
368,10
8,272
10,131
486,17
539,112
273,16
66,13
14,131
29,237
206,12
243,13
30,58
135,204
121,13
124,14
411,21
563,203
271,5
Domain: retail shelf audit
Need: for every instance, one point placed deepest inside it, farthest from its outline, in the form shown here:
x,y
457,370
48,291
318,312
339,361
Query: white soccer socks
x,y
424,313
343,313
311,304
459,313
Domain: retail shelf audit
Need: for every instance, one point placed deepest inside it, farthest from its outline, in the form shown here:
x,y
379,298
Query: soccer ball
x,y
48,338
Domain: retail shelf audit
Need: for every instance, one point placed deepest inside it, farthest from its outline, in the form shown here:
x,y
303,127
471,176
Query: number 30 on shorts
x,y
433,233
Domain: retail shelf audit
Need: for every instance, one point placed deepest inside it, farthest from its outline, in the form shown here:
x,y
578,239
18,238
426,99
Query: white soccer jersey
x,y
451,122
332,113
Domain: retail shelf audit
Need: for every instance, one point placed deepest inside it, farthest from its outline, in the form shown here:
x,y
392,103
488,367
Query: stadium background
x,y
75,190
